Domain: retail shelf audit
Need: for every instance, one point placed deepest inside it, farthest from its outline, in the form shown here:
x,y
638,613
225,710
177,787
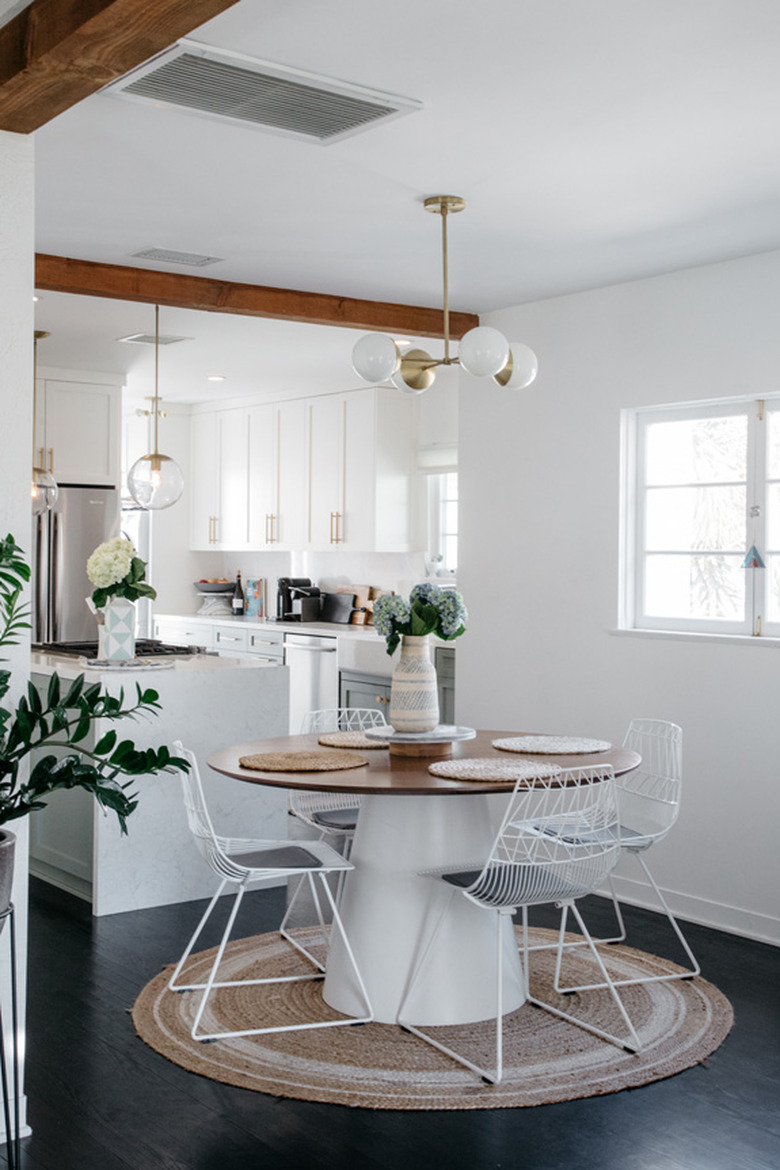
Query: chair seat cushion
x,y
286,857
340,819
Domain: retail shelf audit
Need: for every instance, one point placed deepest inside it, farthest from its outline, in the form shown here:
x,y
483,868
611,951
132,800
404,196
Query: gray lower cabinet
x,y
365,690
445,673
373,690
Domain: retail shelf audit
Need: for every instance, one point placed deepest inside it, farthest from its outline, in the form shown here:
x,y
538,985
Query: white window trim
x,y
630,620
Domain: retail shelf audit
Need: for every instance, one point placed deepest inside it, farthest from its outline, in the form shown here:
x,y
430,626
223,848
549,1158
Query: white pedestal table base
x,y
390,911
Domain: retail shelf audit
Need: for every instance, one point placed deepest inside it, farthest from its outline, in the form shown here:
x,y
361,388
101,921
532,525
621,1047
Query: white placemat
x,y
551,745
491,769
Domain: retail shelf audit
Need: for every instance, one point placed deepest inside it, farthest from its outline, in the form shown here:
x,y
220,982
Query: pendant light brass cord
x,y
445,274
37,334
156,376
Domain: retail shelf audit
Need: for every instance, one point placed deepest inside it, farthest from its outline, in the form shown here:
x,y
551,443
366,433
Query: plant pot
x,y
7,851
116,636
414,696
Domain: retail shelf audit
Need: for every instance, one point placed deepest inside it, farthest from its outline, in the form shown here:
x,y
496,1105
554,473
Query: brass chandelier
x,y
483,352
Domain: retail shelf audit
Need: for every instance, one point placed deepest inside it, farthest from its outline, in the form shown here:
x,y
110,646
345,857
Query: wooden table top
x,y
387,775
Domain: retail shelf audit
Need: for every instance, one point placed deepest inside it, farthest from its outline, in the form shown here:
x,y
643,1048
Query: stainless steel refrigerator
x,y
62,540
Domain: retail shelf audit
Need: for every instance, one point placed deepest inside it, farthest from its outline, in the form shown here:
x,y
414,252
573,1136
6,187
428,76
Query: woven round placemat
x,y
351,739
551,745
377,1066
491,769
301,761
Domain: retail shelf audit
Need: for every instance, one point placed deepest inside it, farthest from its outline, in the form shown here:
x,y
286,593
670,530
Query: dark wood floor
x,y
99,1099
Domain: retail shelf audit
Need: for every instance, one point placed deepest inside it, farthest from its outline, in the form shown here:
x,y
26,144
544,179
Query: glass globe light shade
x,y
483,351
415,373
520,370
155,481
44,491
376,357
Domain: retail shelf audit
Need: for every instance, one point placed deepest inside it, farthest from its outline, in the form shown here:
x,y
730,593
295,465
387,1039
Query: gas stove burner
x,y
144,648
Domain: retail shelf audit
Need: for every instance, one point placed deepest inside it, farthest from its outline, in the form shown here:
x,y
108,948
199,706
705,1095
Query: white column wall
x,y
539,562
16,375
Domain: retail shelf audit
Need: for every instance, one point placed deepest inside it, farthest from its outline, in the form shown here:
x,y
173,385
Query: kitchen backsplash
x,y
396,571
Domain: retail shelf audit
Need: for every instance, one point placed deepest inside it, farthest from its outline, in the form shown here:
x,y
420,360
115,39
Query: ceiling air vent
x,y
221,84
169,256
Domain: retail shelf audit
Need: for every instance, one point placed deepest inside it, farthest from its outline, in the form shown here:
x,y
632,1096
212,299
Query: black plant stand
x,y
11,1131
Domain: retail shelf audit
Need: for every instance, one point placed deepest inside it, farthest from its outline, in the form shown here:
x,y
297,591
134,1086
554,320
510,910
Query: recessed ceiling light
x,y
215,378
37,297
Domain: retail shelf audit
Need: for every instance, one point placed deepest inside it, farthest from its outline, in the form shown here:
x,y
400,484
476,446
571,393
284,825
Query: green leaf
x,y
105,744
53,693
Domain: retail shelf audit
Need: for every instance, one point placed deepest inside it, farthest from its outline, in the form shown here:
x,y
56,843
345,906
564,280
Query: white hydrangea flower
x,y
110,562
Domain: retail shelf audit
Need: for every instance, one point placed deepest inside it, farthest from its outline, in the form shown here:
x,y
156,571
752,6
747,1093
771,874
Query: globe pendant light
x,y
44,490
155,481
484,351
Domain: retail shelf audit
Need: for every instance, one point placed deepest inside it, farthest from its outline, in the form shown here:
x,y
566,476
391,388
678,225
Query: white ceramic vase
x,y
116,634
414,696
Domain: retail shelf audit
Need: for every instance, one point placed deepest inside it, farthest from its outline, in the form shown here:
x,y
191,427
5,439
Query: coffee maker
x,y
284,600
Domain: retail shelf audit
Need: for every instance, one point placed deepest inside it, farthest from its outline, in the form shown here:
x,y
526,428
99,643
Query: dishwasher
x,y
314,675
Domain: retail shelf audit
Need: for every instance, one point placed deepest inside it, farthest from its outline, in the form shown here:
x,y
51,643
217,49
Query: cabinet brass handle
x,y
335,536
42,458
382,699
51,459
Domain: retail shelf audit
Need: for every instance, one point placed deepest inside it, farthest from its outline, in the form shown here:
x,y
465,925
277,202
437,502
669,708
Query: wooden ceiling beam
x,y
87,278
54,53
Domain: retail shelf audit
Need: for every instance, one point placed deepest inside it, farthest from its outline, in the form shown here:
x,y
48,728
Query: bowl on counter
x,y
214,586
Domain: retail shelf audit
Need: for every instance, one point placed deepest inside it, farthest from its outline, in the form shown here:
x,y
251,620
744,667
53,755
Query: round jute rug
x,y
377,1066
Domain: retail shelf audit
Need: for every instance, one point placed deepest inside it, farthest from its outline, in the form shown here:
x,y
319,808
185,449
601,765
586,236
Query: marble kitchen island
x,y
207,702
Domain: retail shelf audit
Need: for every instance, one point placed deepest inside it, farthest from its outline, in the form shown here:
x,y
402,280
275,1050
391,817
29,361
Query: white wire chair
x,y
333,813
244,863
648,806
539,856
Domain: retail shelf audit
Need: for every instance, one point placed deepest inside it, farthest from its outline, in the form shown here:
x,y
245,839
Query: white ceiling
x,y
594,143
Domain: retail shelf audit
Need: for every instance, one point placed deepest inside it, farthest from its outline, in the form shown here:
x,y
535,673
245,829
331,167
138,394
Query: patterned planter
x,y
116,636
414,697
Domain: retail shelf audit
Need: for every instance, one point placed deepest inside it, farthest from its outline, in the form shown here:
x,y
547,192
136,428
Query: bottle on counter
x,y
239,601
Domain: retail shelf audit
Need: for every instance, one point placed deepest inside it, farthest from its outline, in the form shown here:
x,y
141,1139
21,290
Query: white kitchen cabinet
x,y
182,631
277,455
359,454
78,431
219,448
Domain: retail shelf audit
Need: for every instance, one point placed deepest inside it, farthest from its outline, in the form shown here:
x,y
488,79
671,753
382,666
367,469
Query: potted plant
x,y
414,700
54,727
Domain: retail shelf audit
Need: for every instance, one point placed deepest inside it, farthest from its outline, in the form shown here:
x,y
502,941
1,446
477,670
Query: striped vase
x,y
414,697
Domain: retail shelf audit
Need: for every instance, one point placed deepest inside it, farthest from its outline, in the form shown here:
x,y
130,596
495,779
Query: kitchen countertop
x,y
322,629
69,667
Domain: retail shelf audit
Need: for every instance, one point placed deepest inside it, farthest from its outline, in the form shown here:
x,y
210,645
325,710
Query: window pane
x,y
773,516
773,444
702,450
695,518
773,588
703,587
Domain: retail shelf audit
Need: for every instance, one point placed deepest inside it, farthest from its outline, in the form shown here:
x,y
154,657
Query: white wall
x,y
539,488
16,377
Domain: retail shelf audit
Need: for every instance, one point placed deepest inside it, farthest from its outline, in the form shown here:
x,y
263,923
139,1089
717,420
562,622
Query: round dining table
x,y
410,822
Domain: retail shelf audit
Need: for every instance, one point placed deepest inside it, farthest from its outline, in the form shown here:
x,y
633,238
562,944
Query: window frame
x,y
633,614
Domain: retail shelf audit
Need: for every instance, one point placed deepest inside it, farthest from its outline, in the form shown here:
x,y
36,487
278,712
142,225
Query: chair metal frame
x,y
238,862
539,855
313,807
648,806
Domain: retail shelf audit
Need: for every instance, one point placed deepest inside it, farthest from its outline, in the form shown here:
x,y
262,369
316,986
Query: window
x,y
703,490
443,521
